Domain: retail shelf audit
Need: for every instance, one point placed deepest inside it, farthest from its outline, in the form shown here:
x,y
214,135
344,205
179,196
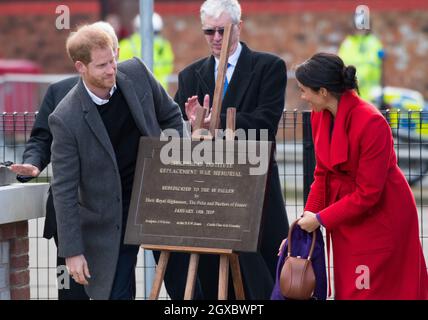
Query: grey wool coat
x,y
86,182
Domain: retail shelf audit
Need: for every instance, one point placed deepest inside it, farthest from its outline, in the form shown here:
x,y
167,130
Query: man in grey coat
x,y
37,156
96,130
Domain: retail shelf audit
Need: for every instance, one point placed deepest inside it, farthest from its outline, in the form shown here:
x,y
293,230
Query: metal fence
x,y
295,159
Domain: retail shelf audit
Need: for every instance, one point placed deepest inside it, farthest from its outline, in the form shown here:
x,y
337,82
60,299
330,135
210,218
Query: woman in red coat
x,y
359,194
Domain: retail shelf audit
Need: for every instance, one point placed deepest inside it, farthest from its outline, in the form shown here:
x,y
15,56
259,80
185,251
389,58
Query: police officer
x,y
364,51
163,56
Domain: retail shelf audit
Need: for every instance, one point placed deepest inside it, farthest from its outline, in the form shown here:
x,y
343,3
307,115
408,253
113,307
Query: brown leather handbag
x,y
297,279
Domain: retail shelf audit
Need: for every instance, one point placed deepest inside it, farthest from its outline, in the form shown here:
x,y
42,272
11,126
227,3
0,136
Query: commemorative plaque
x,y
206,194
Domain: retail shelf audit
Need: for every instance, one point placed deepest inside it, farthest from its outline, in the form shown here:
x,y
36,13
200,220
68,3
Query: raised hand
x,y
207,119
191,107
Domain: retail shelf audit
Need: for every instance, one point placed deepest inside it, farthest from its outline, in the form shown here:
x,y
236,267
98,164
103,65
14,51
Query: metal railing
x,y
25,92
295,159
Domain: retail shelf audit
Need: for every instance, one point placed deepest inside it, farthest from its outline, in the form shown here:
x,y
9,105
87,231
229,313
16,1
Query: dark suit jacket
x,y
257,90
38,148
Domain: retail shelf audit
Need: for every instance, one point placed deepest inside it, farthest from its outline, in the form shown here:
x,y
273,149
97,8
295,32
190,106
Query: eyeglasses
x,y
212,31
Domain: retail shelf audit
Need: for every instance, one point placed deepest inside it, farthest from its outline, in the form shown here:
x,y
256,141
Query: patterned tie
x,y
226,82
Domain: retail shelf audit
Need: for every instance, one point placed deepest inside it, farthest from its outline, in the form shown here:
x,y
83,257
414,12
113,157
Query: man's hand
x,y
78,269
25,169
309,221
192,105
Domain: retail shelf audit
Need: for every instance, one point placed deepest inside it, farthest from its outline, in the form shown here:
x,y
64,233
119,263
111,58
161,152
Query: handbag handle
x,y
314,237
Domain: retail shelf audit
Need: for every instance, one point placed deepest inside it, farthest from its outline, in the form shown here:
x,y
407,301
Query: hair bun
x,y
349,77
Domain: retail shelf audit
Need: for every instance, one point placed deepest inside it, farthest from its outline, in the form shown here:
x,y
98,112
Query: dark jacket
x,y
38,148
257,90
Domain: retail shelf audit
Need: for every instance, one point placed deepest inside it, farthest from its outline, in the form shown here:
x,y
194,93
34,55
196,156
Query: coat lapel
x,y
94,120
205,75
339,141
240,81
135,106
322,138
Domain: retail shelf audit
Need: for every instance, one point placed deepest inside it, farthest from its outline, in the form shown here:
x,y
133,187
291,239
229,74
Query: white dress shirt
x,y
233,60
97,100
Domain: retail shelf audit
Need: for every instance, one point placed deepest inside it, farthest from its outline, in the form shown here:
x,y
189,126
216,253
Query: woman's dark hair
x,y
326,70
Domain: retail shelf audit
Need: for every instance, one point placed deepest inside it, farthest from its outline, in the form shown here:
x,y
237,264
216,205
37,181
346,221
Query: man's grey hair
x,y
214,8
107,27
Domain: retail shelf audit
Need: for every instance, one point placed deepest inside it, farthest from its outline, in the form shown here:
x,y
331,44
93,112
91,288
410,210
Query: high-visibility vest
x,y
363,51
163,56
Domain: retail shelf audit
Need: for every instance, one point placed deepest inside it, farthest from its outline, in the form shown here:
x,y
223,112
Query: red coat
x,y
366,205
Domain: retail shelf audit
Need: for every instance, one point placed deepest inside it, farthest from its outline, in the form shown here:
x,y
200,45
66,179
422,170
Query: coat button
x,y
117,227
118,199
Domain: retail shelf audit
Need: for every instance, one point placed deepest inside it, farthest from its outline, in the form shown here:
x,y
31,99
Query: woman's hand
x,y
281,246
309,221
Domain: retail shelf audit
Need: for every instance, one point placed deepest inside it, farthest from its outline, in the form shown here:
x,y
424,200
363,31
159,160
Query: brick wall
x,y
14,273
293,30
28,30
295,37
4,271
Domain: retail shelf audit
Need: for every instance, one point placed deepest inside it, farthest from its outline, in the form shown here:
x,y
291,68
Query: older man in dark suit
x,y
96,130
255,84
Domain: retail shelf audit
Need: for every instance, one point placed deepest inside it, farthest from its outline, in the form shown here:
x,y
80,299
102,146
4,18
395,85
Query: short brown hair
x,y
87,38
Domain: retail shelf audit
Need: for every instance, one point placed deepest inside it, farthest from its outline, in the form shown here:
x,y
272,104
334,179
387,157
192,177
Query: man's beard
x,y
102,83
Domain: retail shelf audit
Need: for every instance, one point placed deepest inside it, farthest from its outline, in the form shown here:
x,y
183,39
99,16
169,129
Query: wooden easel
x,y
227,257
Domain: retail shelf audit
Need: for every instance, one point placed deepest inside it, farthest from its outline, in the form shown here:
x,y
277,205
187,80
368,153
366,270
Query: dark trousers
x,y
258,269
74,291
124,279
